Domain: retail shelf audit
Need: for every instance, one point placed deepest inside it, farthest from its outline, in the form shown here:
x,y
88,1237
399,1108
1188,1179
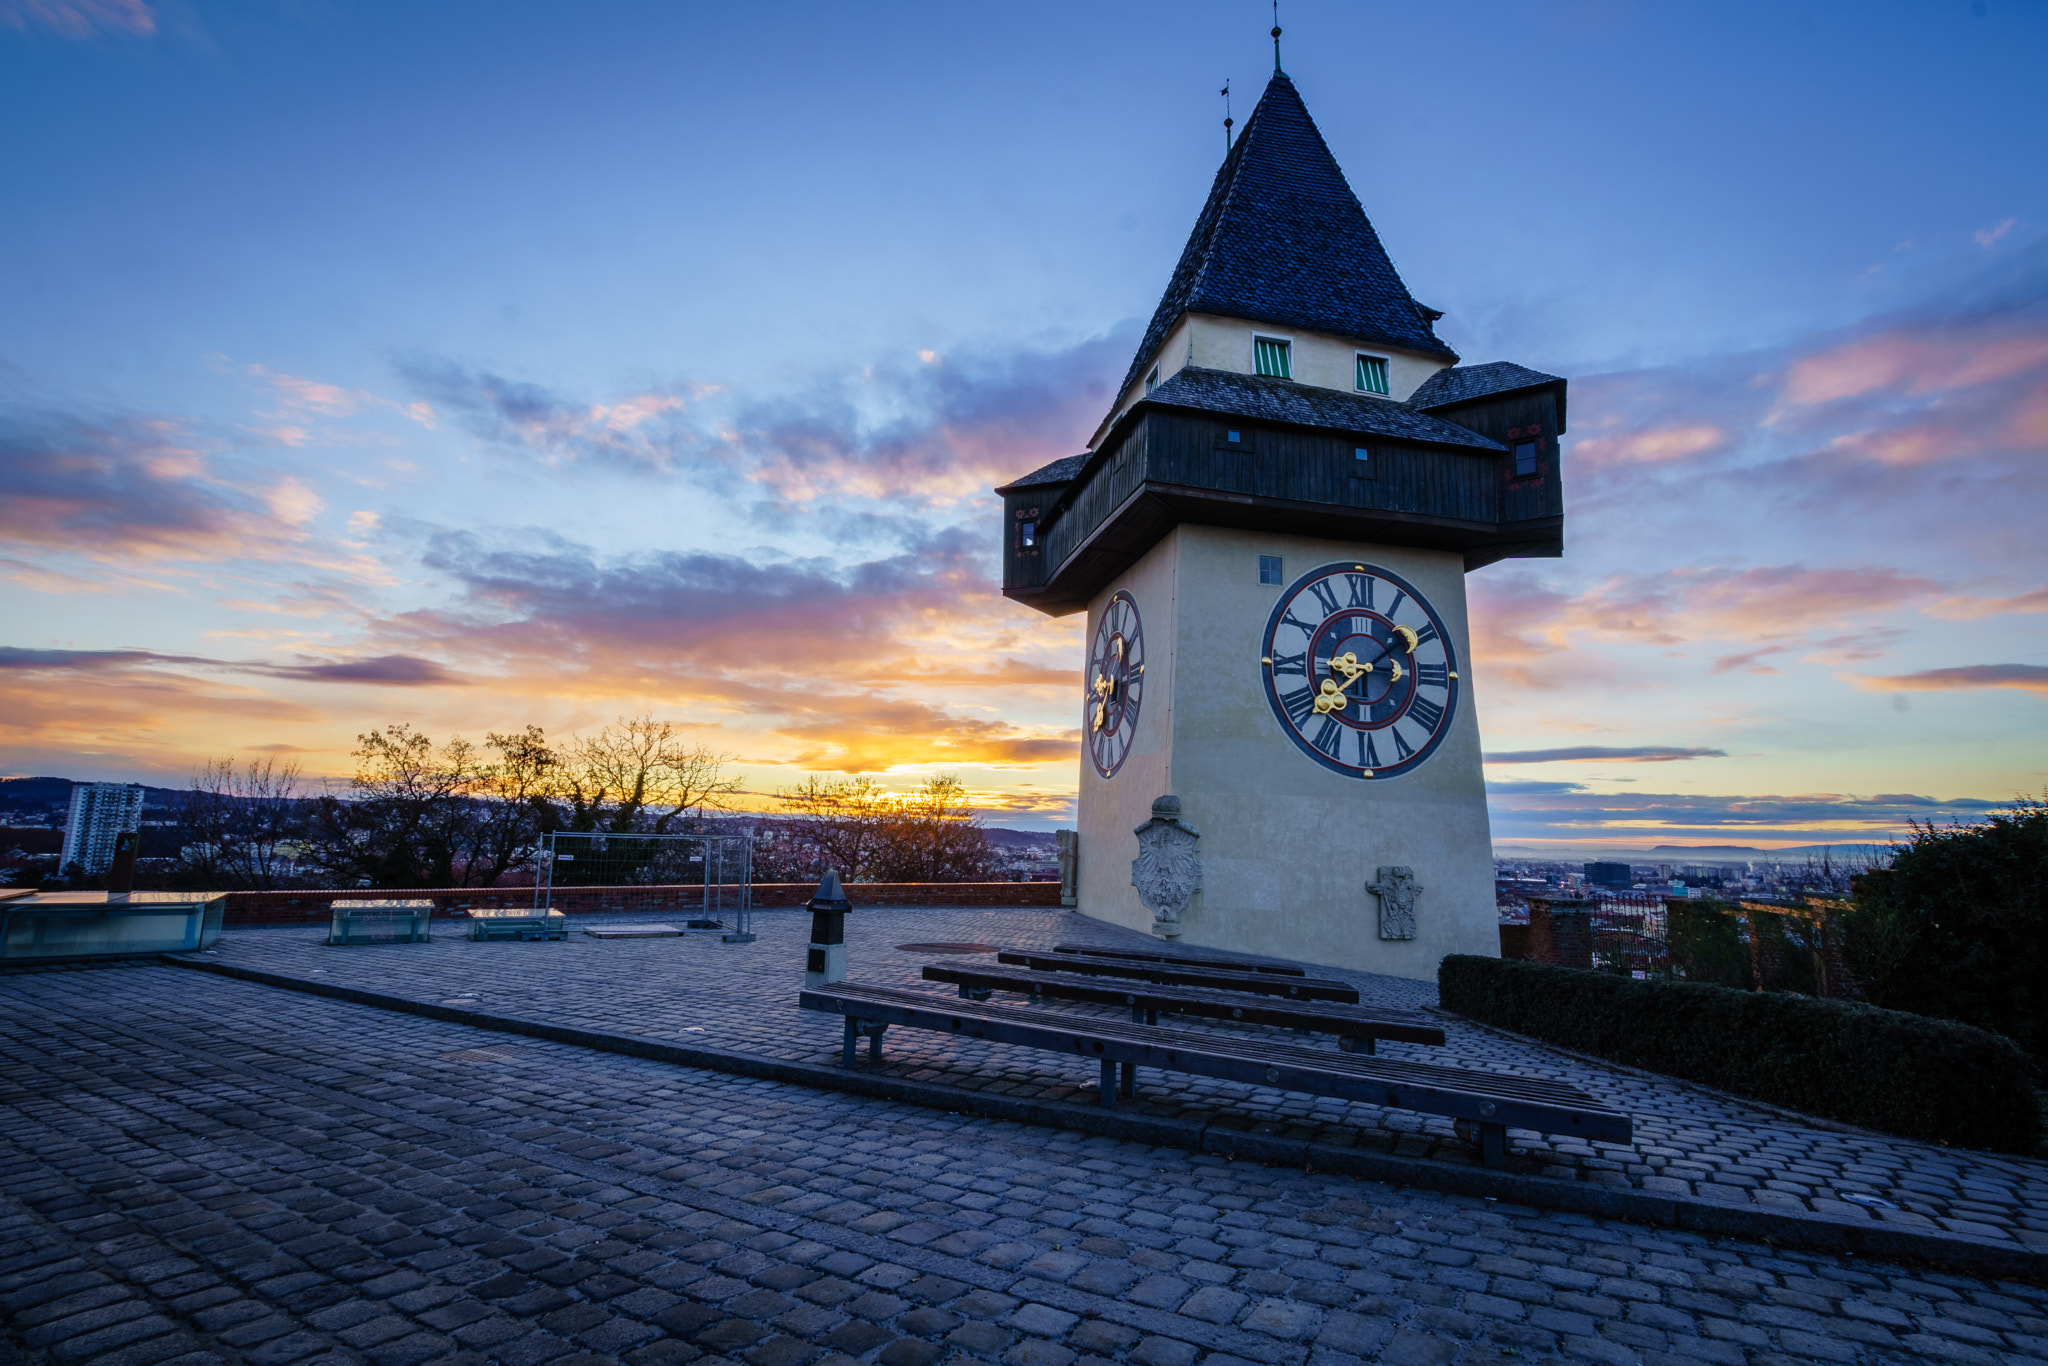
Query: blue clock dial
x,y
1359,671
1115,685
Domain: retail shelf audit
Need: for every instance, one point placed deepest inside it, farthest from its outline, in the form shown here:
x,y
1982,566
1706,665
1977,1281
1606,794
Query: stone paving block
x,y
1370,1271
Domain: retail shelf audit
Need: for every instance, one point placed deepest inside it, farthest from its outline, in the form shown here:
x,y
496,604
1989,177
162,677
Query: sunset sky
x,y
477,365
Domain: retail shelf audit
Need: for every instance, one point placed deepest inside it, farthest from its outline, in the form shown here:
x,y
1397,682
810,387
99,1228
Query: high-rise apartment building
x,y
99,813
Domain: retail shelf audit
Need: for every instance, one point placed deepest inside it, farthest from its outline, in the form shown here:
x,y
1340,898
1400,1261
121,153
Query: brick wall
x,y
311,907
1561,932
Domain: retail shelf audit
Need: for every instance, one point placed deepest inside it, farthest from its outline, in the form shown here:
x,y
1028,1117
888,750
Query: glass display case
x,y
517,922
380,922
53,926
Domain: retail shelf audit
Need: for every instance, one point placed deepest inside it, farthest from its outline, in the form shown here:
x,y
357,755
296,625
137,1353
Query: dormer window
x,y
1151,381
1273,357
1372,374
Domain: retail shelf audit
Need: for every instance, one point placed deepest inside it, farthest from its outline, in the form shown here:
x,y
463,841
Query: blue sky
x,y
475,365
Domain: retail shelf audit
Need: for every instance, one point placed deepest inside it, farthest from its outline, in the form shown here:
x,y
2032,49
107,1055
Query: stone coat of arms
x,y
1397,890
1166,872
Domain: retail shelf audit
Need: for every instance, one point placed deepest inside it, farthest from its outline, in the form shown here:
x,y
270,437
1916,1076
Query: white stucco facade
x,y
1322,359
1287,846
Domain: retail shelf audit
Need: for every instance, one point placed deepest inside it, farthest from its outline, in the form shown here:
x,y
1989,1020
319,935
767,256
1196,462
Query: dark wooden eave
x,y
1154,509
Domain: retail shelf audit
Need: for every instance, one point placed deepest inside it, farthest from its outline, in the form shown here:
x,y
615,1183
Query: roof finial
x,y
1227,120
1276,39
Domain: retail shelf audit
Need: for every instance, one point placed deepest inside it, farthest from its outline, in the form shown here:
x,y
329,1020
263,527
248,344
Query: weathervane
x,y
1276,39
1227,120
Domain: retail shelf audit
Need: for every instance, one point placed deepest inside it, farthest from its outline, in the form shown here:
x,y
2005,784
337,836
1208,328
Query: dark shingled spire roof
x,y
1284,240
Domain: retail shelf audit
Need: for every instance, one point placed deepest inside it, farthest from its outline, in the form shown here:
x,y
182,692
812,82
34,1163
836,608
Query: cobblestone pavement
x,y
199,1170
743,997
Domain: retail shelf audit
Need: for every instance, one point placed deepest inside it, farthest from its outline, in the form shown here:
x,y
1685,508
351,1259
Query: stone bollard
x,y
826,961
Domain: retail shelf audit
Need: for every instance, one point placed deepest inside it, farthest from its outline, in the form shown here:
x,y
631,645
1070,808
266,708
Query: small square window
x,y
1372,374
1361,462
1152,381
1269,569
1525,459
1027,535
1273,357
1233,437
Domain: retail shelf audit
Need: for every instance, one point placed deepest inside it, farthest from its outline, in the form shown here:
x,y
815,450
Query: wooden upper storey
x,y
1224,449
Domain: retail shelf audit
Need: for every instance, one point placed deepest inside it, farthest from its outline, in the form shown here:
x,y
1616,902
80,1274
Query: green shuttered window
x,y
1271,357
1372,374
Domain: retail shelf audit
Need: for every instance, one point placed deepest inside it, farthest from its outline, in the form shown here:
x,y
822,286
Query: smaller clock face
x,y
1115,685
1359,671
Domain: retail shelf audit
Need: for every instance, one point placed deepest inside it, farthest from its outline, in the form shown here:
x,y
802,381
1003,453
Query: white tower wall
x,y
1287,846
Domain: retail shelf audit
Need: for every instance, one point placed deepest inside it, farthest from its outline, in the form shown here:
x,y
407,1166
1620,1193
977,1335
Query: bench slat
x,y
1352,1022
1263,983
1483,1097
1183,959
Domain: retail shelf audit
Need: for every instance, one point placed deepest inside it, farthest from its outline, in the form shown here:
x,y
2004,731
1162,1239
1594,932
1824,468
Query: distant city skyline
x,y
476,367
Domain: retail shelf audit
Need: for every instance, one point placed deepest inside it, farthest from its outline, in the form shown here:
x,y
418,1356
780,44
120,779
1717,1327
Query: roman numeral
x,y
1329,737
1426,634
1427,712
1369,756
1433,675
1400,745
1361,590
1299,704
1394,607
1297,623
1325,594
1292,664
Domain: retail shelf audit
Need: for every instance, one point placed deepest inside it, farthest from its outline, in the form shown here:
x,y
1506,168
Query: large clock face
x,y
1360,671
1115,685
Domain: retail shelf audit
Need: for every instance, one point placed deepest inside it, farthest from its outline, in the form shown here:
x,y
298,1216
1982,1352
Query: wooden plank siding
x,y
1171,466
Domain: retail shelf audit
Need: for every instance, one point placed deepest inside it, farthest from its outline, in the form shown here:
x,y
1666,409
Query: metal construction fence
x,y
707,878
1755,945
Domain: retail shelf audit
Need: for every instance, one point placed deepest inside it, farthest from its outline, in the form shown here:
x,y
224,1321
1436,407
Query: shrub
x,y
1958,926
1882,1069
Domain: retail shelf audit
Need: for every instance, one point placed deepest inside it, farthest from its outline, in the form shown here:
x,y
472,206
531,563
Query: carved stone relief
x,y
1166,872
1397,890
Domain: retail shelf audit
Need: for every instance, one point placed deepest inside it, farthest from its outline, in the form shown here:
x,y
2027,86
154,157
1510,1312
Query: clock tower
x,y
1270,532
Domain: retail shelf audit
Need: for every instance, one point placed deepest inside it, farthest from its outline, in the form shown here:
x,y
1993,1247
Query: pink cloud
x,y
1913,363
2023,677
1656,446
80,18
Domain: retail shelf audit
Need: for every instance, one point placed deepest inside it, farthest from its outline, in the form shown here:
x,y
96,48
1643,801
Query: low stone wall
x,y
311,907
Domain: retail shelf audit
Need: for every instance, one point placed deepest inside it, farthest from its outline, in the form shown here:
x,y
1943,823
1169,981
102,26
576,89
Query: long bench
x,y
1354,1026
1182,959
1167,975
1491,1101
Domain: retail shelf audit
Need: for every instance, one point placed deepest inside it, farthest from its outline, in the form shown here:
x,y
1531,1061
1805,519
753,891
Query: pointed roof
x,y
1284,240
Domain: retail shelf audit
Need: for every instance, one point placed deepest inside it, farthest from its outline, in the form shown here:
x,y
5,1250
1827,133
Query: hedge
x,y
1882,1069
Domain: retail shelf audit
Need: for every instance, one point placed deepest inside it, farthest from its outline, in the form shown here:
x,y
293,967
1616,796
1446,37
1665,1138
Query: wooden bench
x,y
1167,975
1490,1100
1353,1025
1182,959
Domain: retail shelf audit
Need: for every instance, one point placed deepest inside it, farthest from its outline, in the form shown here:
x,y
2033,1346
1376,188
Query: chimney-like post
x,y
825,962
121,872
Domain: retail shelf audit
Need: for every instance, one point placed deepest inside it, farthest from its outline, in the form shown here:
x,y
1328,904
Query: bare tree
x,y
641,775
840,824
853,825
933,835
242,825
512,804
